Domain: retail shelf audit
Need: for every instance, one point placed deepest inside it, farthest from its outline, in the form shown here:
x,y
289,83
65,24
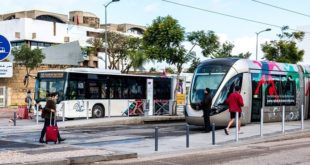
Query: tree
x,y
162,41
133,53
211,47
121,49
195,63
152,69
30,58
116,49
208,42
96,46
169,70
285,49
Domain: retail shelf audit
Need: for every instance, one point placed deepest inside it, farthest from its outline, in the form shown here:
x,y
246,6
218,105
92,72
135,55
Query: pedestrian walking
x,y
235,102
28,100
206,107
49,115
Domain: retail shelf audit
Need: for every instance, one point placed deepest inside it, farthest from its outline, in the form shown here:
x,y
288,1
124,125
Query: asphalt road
x,y
286,152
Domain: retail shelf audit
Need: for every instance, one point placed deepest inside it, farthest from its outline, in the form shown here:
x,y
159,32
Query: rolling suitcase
x,y
22,112
51,132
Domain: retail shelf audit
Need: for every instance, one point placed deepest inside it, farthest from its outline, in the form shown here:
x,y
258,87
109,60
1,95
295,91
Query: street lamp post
x,y
106,33
268,29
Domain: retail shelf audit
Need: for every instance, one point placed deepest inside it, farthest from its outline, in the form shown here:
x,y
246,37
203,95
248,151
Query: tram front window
x,y
207,76
201,82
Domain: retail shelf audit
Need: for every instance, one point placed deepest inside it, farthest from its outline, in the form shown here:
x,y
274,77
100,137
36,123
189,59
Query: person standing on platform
x,y
206,107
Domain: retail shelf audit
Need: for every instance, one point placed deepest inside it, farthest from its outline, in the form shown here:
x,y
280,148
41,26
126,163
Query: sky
x,y
240,32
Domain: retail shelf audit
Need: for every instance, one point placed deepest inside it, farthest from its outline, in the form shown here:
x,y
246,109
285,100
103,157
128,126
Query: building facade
x,y
47,30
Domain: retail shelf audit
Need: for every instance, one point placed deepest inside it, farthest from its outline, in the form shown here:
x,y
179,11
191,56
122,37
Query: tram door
x,y
257,87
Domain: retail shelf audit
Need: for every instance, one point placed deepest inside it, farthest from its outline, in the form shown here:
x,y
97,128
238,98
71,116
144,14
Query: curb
x,y
50,162
129,121
101,158
82,159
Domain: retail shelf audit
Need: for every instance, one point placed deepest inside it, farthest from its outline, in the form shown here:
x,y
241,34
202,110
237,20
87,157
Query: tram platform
x,y
35,153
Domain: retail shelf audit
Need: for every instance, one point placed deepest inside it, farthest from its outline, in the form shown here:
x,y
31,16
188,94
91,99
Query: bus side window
x,y
72,90
103,90
81,90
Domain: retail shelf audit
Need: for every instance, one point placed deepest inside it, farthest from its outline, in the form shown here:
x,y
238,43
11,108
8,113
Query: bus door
x,y
257,87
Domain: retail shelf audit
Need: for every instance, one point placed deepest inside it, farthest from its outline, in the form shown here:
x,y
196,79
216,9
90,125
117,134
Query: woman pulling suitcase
x,y
48,113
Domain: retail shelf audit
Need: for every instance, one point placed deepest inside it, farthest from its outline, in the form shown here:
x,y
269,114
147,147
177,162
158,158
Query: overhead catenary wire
x,y
274,6
228,15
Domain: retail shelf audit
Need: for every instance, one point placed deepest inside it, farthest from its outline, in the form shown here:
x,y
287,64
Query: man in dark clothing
x,y
206,107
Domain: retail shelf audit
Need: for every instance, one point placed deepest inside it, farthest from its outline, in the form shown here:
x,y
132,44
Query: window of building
x,y
34,35
66,39
17,35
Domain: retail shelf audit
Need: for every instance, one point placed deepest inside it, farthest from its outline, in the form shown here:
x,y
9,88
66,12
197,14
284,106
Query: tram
x,y
266,84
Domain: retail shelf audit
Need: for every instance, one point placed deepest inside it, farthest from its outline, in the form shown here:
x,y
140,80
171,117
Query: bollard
x,y
283,119
302,117
237,123
87,107
213,134
128,109
261,121
156,138
63,113
14,119
37,113
187,135
109,108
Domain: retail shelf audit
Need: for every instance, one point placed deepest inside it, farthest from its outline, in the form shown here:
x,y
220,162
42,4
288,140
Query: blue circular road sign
x,y
5,47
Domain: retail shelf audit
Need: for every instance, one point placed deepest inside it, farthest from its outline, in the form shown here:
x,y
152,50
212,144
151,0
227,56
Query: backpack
x,y
43,113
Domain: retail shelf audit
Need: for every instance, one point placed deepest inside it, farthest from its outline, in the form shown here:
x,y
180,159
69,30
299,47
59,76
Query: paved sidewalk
x,y
35,153
68,154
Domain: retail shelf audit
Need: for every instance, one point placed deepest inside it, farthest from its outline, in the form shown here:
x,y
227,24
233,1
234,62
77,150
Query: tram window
x,y
280,90
202,82
273,86
287,85
229,88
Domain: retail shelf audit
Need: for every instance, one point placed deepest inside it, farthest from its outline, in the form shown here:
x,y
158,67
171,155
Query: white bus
x,y
95,93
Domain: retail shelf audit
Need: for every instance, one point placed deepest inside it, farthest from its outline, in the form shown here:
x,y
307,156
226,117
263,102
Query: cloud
x,y
244,44
248,44
151,8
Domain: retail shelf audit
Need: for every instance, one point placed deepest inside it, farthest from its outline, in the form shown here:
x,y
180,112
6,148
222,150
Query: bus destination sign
x,y
52,75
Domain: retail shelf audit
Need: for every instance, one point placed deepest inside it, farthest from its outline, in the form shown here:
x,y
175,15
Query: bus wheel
x,y
98,111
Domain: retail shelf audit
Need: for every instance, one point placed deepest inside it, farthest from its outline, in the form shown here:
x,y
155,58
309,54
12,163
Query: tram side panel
x,y
246,93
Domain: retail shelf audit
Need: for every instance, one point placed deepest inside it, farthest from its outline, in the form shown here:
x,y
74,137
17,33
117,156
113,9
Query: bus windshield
x,y
206,77
48,85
